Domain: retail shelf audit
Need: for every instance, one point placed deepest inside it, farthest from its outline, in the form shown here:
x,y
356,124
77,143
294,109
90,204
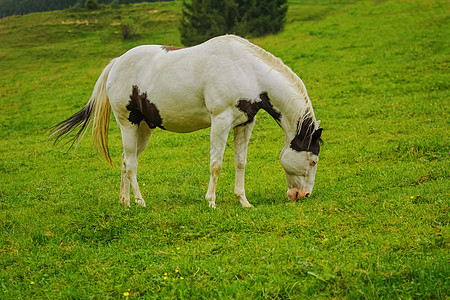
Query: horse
x,y
222,84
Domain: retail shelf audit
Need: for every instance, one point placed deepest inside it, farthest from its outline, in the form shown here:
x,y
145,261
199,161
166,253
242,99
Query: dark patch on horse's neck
x,y
268,107
251,109
142,109
307,138
171,48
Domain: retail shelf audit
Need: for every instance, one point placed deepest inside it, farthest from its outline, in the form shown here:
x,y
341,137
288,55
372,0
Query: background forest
x,y
21,7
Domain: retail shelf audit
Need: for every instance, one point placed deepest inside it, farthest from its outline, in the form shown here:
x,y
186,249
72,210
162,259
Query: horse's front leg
x,y
220,127
241,138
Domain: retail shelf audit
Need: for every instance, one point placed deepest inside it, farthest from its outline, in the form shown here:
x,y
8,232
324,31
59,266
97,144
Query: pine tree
x,y
259,17
204,19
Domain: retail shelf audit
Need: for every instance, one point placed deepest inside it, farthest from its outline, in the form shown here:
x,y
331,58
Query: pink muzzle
x,y
295,194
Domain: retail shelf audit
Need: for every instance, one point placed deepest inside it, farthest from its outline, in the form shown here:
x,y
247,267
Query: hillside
x,y
375,226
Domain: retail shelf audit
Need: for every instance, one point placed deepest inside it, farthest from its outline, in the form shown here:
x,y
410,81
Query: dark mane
x,y
308,138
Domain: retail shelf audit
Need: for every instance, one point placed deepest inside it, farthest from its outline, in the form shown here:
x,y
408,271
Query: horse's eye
x,y
313,162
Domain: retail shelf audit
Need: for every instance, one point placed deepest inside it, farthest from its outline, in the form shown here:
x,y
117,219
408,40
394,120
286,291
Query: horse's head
x,y
300,159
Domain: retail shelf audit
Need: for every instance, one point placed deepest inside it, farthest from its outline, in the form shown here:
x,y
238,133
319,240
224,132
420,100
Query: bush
x,y
91,4
204,19
127,31
127,28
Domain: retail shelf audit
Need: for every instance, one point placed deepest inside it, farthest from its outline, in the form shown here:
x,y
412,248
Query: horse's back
x,y
187,85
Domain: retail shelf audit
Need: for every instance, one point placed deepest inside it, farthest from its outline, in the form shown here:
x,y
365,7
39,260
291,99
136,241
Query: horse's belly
x,y
185,121
183,116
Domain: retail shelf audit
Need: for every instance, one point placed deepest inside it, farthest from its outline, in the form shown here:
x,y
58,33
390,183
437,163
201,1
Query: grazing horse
x,y
221,84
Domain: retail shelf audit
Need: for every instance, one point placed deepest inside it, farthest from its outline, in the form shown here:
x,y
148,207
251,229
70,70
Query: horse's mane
x,y
275,63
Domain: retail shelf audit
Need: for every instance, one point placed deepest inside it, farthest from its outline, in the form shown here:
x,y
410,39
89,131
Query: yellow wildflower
x,y
126,294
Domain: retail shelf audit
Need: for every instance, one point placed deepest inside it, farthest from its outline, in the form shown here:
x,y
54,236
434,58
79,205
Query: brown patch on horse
x,y
251,109
141,109
171,48
307,139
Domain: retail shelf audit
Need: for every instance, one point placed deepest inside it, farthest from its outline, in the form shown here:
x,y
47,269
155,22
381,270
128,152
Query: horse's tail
x,y
97,111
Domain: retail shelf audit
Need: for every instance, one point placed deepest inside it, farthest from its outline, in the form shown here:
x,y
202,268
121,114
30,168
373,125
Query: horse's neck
x,y
292,102
285,89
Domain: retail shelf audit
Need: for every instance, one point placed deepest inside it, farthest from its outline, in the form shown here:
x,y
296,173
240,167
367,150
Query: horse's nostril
x,y
307,194
296,195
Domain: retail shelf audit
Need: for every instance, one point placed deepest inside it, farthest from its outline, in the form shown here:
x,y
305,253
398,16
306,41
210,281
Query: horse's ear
x,y
317,124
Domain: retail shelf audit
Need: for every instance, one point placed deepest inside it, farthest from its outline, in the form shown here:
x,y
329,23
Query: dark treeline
x,y
20,7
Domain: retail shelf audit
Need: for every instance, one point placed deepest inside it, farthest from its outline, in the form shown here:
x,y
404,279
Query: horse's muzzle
x,y
295,194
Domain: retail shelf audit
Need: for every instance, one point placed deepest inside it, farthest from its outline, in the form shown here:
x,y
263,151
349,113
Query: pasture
x,y
375,226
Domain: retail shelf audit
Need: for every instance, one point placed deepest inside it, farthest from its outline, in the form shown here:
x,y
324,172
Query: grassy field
x,y
376,225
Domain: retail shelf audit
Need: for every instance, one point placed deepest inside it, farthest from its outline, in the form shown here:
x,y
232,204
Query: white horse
x,y
221,84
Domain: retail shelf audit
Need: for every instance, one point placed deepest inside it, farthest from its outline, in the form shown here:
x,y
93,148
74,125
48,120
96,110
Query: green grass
x,y
376,225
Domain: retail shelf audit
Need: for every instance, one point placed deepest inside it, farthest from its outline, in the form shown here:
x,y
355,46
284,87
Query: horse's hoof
x,y
140,202
124,202
248,205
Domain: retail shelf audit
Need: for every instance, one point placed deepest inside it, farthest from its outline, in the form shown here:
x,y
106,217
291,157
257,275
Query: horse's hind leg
x,y
241,138
134,139
124,184
144,134
143,137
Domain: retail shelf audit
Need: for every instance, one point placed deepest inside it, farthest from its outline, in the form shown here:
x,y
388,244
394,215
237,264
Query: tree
x,y
204,19
259,17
